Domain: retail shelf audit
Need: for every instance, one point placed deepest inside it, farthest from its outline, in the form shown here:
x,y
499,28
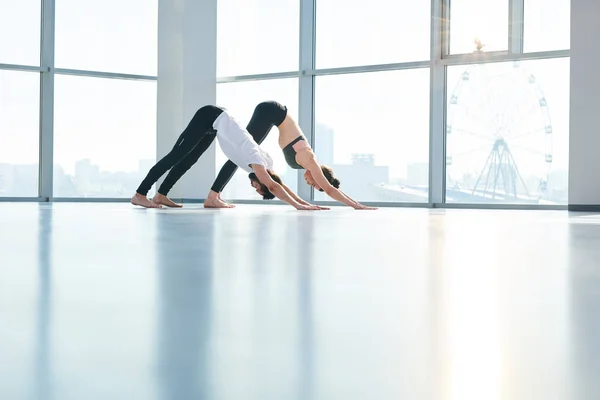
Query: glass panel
x,y
477,24
384,31
508,132
105,145
20,24
257,36
547,25
377,139
107,35
240,99
19,133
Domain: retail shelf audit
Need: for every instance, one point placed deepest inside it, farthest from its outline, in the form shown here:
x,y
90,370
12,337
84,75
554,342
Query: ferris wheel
x,y
498,135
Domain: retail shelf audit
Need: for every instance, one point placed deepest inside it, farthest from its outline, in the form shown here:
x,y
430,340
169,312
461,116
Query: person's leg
x,y
200,124
213,200
180,169
266,115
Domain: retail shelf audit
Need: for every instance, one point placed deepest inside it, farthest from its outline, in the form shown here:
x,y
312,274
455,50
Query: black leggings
x,y
192,143
266,115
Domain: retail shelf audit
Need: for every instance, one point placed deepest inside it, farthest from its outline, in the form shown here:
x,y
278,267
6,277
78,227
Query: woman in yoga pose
x,y
237,144
297,152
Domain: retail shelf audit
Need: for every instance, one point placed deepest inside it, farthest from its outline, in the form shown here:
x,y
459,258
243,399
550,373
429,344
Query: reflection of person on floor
x,y
210,122
297,152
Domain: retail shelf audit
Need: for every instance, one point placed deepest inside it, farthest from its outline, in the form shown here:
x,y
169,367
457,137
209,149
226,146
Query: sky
x,y
112,122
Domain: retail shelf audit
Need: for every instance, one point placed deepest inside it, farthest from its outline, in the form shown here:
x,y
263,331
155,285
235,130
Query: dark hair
x,y
267,195
328,172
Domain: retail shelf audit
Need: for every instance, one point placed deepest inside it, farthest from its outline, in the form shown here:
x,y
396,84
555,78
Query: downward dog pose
x,y
298,154
210,122
259,126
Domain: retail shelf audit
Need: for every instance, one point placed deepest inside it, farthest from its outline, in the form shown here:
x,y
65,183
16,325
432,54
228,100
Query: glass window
x,y
373,130
352,32
107,35
477,24
104,135
257,36
508,132
19,133
547,25
20,24
240,99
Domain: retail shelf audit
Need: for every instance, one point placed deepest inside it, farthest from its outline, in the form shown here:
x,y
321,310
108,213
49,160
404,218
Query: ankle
x,y
212,195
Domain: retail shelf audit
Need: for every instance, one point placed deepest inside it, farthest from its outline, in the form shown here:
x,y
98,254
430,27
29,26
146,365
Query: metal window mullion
x,y
440,12
18,67
46,157
465,59
306,83
516,17
258,77
101,74
437,150
370,68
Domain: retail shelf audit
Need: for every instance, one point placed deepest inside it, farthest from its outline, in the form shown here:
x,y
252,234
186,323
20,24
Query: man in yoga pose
x,y
210,122
297,152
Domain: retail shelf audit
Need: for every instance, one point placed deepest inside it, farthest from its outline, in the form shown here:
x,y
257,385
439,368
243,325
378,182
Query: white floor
x,y
106,301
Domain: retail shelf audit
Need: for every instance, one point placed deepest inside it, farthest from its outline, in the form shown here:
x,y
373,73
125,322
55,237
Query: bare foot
x,y
216,203
164,200
139,200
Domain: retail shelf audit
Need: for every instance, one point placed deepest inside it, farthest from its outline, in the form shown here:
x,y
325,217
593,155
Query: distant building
x,y
362,178
19,180
87,177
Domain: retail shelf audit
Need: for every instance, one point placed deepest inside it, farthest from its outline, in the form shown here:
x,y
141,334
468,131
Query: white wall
x,y
584,142
187,46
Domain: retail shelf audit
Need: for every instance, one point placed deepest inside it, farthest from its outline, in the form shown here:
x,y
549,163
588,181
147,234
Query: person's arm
x,y
357,205
294,195
275,188
299,199
315,169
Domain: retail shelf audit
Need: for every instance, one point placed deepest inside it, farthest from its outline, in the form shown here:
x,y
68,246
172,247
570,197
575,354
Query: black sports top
x,y
290,154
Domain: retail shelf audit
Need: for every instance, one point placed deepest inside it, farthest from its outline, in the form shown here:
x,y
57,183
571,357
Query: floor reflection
x,y
184,254
42,387
584,280
302,241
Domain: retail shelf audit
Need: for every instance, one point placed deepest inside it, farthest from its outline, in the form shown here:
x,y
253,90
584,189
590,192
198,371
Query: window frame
x,y
306,73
